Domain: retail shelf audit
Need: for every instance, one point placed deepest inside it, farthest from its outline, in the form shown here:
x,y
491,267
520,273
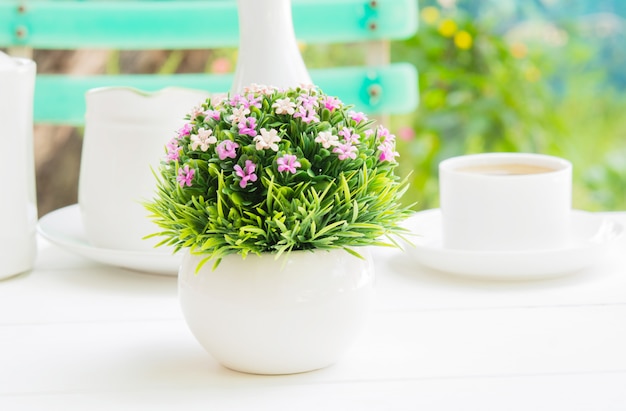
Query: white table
x,y
77,335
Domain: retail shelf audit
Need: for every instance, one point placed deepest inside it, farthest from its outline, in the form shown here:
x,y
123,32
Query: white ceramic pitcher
x,y
18,206
125,134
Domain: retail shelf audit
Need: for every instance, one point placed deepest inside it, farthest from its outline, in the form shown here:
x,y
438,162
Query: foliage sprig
x,y
274,170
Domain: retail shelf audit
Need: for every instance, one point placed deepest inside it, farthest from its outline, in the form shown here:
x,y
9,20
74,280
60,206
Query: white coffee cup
x,y
505,201
125,135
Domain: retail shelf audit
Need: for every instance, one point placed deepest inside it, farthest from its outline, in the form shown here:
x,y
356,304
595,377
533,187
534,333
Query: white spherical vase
x,y
264,315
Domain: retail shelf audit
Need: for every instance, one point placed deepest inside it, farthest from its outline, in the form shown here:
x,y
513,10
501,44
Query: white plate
x,y
64,228
591,234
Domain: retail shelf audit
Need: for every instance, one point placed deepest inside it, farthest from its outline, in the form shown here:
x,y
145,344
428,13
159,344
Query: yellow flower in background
x,y
532,74
519,50
447,28
463,40
430,14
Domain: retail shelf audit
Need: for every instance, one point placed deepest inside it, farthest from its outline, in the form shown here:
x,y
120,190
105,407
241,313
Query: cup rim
x,y
141,92
451,165
21,65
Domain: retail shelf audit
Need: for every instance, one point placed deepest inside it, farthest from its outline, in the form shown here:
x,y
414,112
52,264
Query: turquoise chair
x,y
377,87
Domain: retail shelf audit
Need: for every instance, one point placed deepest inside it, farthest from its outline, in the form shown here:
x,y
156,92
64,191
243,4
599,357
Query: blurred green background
x,y
534,76
543,76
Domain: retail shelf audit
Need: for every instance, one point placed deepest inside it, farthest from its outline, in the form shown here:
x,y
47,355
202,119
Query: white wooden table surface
x,y
77,335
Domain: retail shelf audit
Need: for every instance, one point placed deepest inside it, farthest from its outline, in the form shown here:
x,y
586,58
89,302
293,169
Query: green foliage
x,y
325,179
606,182
551,89
593,126
478,94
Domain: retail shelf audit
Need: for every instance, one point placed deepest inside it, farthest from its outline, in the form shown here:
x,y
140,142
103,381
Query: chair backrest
x,y
377,87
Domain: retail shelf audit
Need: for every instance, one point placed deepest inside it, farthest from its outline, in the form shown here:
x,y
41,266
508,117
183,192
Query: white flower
x,y
284,106
218,98
195,112
327,139
239,114
202,139
259,88
267,139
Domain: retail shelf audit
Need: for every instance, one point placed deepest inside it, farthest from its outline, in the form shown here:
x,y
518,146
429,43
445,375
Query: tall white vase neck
x,y
268,50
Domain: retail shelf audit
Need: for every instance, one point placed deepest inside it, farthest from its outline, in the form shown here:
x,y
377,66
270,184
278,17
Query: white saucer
x,y
591,234
64,228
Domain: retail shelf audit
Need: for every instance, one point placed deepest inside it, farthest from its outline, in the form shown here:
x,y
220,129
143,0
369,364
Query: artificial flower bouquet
x,y
276,170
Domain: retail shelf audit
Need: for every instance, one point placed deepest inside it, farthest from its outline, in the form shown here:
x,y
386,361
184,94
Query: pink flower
x,y
358,116
185,175
331,103
406,133
345,151
348,135
307,101
383,134
214,114
173,150
288,162
387,152
387,144
221,65
307,115
184,130
246,173
247,126
236,100
226,149
251,101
